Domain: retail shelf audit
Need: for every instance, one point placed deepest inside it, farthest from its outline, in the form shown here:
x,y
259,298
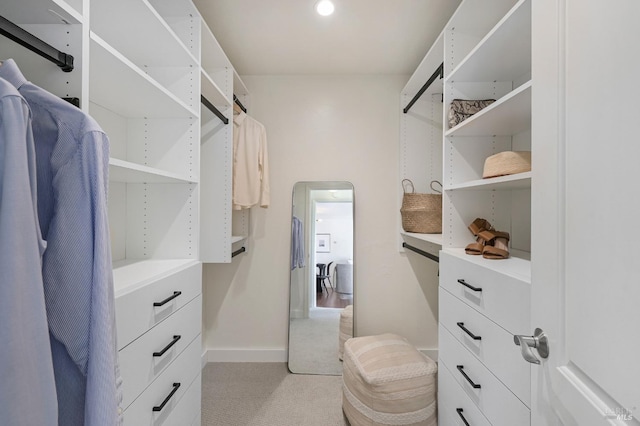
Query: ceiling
x,y
361,37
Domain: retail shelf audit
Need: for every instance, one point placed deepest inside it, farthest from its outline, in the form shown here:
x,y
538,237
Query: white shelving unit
x,y
225,230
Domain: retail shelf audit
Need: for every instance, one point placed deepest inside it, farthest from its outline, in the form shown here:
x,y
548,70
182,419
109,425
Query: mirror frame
x,y
310,186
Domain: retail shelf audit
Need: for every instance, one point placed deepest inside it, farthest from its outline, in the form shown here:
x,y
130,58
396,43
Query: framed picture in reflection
x,y
323,243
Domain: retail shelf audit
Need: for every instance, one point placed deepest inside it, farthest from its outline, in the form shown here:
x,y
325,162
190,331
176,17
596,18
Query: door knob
x,y
538,341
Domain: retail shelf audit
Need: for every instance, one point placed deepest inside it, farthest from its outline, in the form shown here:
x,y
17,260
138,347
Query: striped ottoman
x,y
386,381
346,328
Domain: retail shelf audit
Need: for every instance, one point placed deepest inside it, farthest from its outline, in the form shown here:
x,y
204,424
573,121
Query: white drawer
x,y
183,371
505,299
452,398
495,349
500,406
139,366
135,311
187,412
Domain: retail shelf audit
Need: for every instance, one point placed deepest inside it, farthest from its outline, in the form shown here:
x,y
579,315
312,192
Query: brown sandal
x,y
499,247
477,226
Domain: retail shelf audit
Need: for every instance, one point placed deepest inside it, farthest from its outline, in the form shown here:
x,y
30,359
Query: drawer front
x,y
188,408
495,349
136,313
504,299
452,398
499,405
139,366
183,370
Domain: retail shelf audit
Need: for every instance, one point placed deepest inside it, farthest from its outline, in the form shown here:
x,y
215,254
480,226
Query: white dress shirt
x,y
250,165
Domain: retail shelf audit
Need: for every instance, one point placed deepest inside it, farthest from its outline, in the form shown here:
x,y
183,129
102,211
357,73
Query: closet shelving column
x,y
487,56
421,133
222,229
144,91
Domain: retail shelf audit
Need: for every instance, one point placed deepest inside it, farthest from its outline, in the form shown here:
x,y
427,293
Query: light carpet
x,y
266,394
313,343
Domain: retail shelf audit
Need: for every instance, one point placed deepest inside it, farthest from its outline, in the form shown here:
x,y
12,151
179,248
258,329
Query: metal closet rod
x,y
237,252
422,252
213,109
33,43
438,73
237,101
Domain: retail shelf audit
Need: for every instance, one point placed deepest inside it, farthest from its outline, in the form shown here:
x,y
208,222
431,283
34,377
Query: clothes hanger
x,y
236,108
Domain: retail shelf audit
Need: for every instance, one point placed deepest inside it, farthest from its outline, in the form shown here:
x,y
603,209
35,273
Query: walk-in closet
x,y
318,212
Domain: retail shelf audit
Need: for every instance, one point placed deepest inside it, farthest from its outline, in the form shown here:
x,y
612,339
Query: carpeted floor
x,y
266,394
313,343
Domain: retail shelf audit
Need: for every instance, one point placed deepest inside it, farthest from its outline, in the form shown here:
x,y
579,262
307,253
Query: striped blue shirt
x,y
72,158
27,389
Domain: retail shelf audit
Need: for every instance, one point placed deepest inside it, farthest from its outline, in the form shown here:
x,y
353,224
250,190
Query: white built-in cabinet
x,y
486,51
141,67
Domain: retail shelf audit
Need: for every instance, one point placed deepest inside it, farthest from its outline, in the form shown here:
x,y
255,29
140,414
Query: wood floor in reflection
x,y
332,299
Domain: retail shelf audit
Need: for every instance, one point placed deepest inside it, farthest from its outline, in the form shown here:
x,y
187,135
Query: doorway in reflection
x,y
321,274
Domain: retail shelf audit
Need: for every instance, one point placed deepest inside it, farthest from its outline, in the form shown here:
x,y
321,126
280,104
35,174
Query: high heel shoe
x,y
497,246
476,227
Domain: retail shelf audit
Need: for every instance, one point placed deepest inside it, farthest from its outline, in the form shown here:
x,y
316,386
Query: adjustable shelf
x,y
504,54
131,274
152,100
128,172
508,116
518,265
516,181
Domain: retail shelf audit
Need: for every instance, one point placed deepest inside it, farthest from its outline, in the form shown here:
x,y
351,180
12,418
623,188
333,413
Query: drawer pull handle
x,y
461,370
466,284
168,299
473,336
176,386
460,410
166,348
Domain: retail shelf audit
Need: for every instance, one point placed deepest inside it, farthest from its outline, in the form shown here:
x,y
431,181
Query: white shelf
x,y
131,274
41,12
212,92
154,45
238,85
237,238
518,265
427,67
127,172
430,238
213,57
509,115
516,181
132,94
502,55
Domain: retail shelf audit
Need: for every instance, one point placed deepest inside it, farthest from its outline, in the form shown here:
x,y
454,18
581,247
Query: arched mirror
x,y
321,283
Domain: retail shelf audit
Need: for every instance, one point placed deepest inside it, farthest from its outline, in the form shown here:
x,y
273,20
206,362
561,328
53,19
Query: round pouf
x,y
386,381
346,328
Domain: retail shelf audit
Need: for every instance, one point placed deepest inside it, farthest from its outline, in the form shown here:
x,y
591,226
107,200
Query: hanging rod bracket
x,y
36,45
439,72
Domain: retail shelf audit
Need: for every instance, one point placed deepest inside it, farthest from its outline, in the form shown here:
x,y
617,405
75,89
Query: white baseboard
x,y
244,355
431,353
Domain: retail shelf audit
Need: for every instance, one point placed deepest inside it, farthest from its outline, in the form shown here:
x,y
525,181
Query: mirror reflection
x,y
321,282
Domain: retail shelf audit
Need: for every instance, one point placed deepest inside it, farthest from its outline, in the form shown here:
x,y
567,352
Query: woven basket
x,y
421,213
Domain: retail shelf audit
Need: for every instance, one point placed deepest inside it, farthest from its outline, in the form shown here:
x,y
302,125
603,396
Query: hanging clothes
x,y
28,390
72,157
297,244
250,163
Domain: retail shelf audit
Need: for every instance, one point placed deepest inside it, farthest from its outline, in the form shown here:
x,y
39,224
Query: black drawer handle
x,y
461,370
460,410
176,386
466,284
473,336
168,299
166,348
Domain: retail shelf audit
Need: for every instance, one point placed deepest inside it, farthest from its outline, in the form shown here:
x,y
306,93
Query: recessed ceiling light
x,y
325,7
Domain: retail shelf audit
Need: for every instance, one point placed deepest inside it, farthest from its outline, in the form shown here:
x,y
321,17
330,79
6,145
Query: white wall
x,y
322,128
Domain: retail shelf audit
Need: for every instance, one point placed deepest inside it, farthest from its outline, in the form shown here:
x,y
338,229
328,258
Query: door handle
x,y
538,341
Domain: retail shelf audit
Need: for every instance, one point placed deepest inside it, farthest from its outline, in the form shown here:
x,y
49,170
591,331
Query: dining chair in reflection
x,y
322,275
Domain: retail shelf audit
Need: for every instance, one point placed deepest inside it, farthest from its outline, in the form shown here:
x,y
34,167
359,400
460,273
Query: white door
x,y
586,211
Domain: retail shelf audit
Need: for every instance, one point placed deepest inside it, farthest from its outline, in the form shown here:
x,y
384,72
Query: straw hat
x,y
507,163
